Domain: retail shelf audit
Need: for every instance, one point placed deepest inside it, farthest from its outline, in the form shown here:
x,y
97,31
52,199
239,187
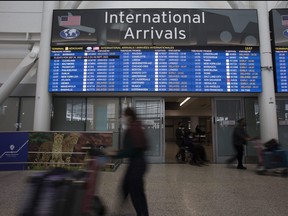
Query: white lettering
x,y
164,17
129,33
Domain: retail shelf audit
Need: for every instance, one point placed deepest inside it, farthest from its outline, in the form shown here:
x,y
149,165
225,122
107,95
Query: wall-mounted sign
x,y
170,69
279,34
155,50
13,150
189,27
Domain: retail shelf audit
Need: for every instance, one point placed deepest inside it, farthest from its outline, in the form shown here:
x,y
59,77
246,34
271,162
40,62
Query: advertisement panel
x,y
62,149
44,150
13,150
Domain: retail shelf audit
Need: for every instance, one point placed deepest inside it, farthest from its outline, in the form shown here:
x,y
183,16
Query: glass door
x,y
282,115
151,113
226,114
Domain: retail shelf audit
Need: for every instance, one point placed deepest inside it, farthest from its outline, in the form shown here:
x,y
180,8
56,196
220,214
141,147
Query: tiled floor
x,y
179,190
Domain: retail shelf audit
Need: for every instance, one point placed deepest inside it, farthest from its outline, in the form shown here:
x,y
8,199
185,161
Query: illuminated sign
x,y
154,69
155,50
279,34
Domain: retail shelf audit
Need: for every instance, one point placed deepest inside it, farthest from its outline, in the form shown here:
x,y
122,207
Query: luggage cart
x,y
61,192
271,162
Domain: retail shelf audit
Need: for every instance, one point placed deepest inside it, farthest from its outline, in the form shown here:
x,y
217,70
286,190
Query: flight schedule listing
x,y
154,69
281,65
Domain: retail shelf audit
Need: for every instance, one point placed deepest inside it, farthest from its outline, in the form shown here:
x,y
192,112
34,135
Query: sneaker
x,y
241,167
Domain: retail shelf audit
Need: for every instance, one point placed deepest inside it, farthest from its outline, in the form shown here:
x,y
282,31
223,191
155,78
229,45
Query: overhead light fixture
x,y
183,102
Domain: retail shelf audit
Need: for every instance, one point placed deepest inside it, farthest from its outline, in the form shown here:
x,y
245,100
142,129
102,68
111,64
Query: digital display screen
x,y
281,69
279,35
154,69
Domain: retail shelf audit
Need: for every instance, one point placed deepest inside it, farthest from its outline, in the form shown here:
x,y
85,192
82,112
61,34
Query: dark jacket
x,y
135,141
179,133
239,136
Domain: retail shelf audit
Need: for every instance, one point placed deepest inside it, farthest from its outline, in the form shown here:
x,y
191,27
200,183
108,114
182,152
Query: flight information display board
x,y
279,43
281,68
154,69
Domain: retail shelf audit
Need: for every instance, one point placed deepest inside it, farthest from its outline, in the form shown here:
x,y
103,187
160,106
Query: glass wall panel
x,y
103,115
252,117
282,115
86,114
150,112
227,113
69,114
9,115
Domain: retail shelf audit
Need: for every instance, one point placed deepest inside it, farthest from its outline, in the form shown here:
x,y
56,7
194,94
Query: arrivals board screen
x,y
279,44
154,69
281,68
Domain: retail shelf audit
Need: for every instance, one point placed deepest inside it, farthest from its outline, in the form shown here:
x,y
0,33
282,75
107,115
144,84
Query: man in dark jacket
x,y
239,139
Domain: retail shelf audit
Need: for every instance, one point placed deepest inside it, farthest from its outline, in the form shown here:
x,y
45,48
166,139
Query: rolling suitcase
x,y
38,185
72,194
60,192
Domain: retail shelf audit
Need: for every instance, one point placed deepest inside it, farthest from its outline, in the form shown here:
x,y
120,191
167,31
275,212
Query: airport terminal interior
x,y
34,113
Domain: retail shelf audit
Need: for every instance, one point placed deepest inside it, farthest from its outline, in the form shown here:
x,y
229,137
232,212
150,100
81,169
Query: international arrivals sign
x,y
164,17
189,27
154,50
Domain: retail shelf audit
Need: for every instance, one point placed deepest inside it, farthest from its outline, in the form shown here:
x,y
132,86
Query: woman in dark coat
x,y
135,145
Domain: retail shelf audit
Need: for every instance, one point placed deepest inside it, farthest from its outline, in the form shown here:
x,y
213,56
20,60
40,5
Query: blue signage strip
x,y
14,150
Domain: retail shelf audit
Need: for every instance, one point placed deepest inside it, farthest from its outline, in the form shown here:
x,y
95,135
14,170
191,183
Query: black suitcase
x,y
52,188
72,195
37,186
60,192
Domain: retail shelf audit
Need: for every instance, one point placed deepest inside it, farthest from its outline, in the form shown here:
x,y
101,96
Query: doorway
x,y
227,112
151,113
196,111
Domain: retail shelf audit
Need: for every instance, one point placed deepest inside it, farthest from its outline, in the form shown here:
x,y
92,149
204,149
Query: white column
x,y
267,101
43,98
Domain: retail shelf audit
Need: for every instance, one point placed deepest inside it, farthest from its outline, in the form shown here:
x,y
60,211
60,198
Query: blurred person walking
x,y
135,144
239,139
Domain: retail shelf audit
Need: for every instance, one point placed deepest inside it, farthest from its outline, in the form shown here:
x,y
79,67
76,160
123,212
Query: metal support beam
x,y
281,4
238,4
19,73
19,37
72,5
